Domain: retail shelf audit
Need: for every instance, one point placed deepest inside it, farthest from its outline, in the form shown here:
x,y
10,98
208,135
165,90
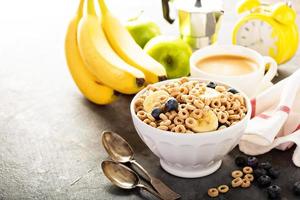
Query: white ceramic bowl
x,y
190,155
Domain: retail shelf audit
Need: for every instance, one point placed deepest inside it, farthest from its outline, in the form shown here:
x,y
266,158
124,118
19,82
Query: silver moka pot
x,y
197,22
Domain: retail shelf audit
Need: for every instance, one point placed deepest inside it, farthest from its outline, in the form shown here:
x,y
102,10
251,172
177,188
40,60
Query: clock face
x,y
258,35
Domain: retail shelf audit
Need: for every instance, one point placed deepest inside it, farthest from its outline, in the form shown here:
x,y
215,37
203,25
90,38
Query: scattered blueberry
x,y
273,173
211,85
265,165
274,192
171,104
259,172
156,112
264,181
241,161
296,188
233,91
252,162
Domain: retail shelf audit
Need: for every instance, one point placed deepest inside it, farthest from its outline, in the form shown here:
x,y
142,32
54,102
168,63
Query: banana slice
x,y
154,99
210,93
208,122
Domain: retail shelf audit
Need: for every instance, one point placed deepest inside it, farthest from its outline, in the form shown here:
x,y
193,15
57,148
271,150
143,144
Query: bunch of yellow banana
x,y
103,57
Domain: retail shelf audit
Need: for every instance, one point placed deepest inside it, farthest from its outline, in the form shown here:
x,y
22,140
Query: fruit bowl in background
x,y
190,155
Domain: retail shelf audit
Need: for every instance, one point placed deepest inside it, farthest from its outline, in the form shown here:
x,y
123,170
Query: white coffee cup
x,y
248,83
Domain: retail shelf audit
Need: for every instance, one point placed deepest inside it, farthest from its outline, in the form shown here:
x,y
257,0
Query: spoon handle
x,y
139,168
157,184
150,191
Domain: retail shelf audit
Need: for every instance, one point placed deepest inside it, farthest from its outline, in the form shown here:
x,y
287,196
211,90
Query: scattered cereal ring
x,y
223,188
163,99
190,122
248,170
182,107
245,183
199,104
183,114
197,114
222,117
237,174
250,177
213,192
180,129
164,128
178,120
237,182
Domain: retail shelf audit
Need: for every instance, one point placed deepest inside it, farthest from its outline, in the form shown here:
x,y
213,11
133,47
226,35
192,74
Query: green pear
x,y
173,53
142,31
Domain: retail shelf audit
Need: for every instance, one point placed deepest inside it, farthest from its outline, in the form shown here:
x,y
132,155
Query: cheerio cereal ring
x,y
138,108
182,107
199,104
190,107
165,123
223,188
183,114
248,170
163,116
164,128
237,182
153,124
163,99
213,192
183,90
147,121
191,122
149,116
237,174
141,114
246,183
189,98
215,103
178,120
222,117
180,129
220,88
197,114
250,177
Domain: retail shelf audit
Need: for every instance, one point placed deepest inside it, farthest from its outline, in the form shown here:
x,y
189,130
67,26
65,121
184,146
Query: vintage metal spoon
x,y
124,177
120,151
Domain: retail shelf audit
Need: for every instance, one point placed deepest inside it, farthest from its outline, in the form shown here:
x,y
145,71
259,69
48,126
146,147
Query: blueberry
x,y
259,172
296,188
274,192
265,165
233,91
211,85
252,162
156,112
264,181
241,161
171,104
273,173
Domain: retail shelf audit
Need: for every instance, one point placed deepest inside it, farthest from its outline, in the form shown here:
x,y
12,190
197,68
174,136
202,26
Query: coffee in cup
x,y
235,65
228,65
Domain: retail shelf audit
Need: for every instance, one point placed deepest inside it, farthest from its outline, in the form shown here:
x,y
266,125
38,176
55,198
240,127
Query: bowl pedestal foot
x,y
191,172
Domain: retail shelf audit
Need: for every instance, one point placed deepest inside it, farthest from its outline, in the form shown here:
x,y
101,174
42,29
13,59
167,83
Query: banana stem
x,y
103,6
91,7
80,9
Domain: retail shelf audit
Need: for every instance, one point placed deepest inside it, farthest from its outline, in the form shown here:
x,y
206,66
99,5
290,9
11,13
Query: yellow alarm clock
x,y
269,29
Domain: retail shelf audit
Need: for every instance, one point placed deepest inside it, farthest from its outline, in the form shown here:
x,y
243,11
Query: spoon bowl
x,y
118,149
120,175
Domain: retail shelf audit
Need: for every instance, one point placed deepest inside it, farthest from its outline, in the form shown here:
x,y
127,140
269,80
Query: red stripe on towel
x,y
298,128
253,105
285,109
263,116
